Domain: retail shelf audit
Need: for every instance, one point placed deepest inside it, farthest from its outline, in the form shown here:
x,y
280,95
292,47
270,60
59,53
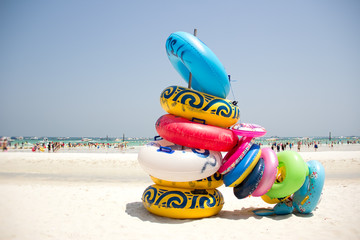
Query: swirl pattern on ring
x,y
181,199
201,101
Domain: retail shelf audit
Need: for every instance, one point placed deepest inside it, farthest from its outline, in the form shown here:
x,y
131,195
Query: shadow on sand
x,y
136,209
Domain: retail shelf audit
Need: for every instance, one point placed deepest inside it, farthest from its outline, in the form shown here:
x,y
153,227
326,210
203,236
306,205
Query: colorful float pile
x,y
185,162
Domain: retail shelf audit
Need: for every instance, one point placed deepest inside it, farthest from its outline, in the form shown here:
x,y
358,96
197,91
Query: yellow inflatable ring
x,y
211,182
182,203
199,107
270,200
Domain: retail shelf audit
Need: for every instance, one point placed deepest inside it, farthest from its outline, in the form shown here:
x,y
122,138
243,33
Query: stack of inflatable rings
x,y
283,179
186,164
183,163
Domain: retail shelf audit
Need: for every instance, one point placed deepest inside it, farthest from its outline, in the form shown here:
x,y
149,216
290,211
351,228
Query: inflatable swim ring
x,y
214,181
199,107
248,130
308,196
268,179
182,203
195,135
282,208
165,160
188,54
234,156
243,168
270,200
250,183
296,171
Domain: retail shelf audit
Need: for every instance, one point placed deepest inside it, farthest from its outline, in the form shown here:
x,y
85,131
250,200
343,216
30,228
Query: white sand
x,y
98,196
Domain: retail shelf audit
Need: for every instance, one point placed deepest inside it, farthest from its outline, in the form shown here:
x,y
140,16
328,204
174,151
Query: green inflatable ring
x,y
296,172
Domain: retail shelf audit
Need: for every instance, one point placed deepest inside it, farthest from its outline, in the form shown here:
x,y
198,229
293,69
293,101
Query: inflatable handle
x,y
165,150
304,200
157,138
198,120
199,192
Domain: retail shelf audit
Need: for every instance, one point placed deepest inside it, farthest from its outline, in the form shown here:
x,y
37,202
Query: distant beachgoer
x,y
316,147
278,148
299,146
290,145
4,145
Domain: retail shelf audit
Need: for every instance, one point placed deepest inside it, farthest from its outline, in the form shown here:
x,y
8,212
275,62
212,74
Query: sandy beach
x,y
69,195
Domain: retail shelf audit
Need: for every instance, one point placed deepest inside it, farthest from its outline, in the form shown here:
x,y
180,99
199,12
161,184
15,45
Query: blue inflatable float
x,y
243,168
251,182
308,196
188,54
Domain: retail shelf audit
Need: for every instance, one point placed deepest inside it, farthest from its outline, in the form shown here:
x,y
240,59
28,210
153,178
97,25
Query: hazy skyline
x,y
97,68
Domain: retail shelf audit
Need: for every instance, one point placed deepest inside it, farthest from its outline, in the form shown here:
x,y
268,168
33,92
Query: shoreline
x,y
124,166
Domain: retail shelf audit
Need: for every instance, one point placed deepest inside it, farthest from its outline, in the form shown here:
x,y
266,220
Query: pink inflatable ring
x,y
248,130
269,176
233,157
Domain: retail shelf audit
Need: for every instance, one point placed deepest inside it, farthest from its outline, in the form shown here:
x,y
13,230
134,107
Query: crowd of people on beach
x,y
55,146
282,146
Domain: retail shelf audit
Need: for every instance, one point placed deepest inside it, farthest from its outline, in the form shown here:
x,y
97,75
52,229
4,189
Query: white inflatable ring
x,y
165,160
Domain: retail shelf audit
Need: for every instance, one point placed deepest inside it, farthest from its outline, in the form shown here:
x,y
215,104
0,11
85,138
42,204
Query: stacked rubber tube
x,y
186,161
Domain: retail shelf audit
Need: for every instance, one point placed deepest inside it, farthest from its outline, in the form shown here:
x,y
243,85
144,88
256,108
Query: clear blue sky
x,y
97,68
